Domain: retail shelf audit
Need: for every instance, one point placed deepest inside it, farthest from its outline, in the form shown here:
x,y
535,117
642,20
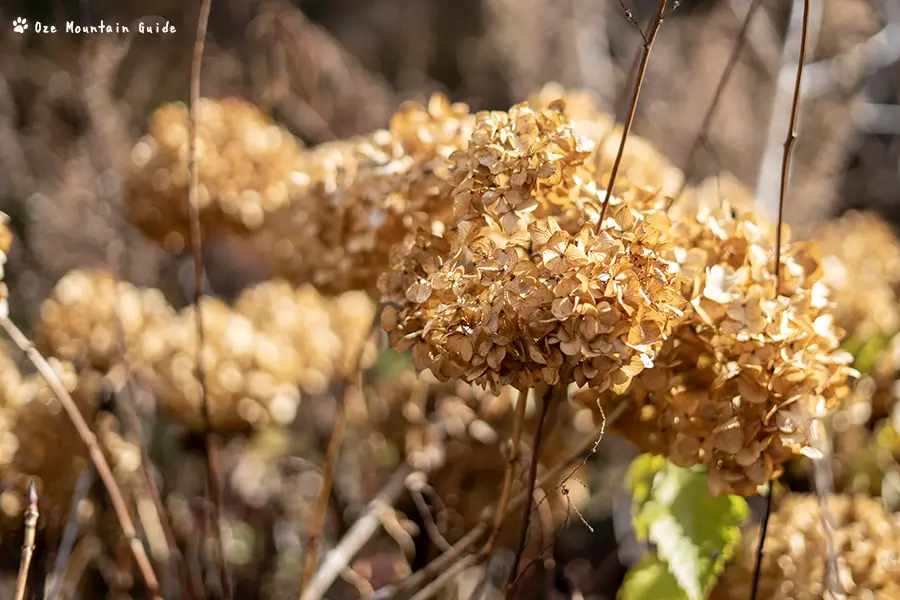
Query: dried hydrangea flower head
x,y
89,313
260,355
244,165
864,536
248,376
861,263
522,288
329,333
40,443
642,165
739,384
359,197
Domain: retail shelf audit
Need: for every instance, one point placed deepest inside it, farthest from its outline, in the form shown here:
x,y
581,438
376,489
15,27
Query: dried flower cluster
x,y
861,263
90,315
865,541
244,162
363,195
327,215
642,166
330,334
524,287
258,356
739,384
39,442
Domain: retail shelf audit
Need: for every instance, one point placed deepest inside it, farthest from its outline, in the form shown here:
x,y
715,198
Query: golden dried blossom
x,y
260,355
244,165
642,165
90,314
248,375
329,334
864,538
861,263
711,193
328,215
39,442
523,288
357,198
740,383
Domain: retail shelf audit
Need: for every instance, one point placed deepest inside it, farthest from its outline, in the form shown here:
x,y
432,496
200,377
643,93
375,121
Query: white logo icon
x,y
20,25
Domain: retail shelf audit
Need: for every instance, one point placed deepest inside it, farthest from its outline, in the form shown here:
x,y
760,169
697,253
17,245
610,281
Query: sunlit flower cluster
x,y
244,163
525,287
740,383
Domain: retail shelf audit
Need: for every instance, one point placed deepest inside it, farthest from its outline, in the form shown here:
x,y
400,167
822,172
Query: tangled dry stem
x,y
90,440
214,477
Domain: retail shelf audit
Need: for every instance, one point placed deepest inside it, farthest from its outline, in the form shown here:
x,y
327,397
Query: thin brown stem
x,y
508,474
211,439
703,133
317,520
320,510
642,71
31,519
359,534
90,440
125,402
789,143
785,176
529,497
588,445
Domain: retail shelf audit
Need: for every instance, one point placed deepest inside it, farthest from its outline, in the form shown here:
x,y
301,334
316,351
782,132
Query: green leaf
x,y
866,351
650,579
694,534
639,479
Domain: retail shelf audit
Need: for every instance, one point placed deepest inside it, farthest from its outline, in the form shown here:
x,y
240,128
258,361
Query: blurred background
x,y
72,106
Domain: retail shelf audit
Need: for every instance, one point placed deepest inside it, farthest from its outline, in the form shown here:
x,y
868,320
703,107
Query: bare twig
x,y
90,440
442,563
529,497
320,509
430,590
717,96
434,533
211,439
642,71
767,181
785,174
361,532
630,16
332,452
508,474
125,403
70,533
31,519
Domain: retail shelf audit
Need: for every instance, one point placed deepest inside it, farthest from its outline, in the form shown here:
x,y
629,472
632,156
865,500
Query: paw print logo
x,y
20,25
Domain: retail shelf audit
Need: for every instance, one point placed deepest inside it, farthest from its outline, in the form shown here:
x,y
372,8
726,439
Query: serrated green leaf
x,y
694,534
650,579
